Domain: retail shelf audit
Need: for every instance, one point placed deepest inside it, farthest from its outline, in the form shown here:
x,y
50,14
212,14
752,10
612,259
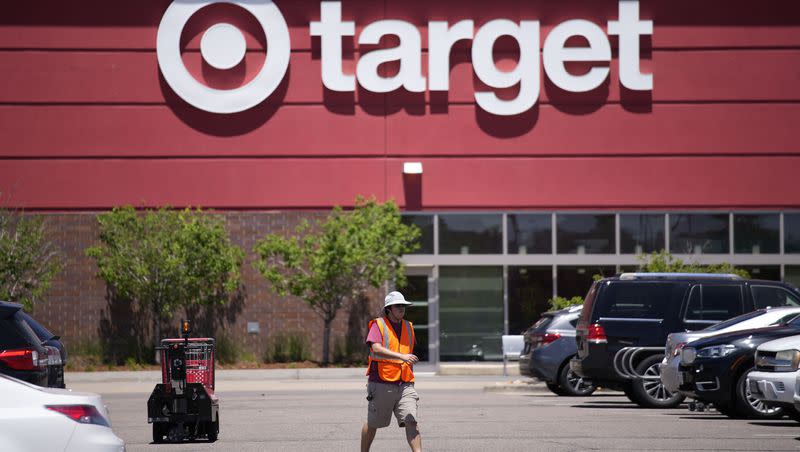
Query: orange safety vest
x,y
393,369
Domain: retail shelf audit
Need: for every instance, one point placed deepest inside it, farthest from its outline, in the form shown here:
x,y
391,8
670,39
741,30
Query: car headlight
x,y
688,354
787,360
716,351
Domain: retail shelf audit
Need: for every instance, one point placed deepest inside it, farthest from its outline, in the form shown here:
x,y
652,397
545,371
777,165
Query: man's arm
x,y
379,349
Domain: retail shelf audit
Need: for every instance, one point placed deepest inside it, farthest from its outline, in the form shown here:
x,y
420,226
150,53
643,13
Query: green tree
x,y
557,303
28,260
165,259
663,261
338,258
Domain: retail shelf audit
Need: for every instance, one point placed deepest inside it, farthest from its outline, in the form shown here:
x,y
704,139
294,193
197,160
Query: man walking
x,y
390,386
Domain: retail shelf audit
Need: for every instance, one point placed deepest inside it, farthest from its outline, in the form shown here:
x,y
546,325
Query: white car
x,y
776,372
670,375
33,418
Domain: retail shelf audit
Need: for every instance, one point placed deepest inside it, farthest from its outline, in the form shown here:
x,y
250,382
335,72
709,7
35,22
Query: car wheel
x,y
792,413
649,392
724,408
750,407
573,384
555,389
213,430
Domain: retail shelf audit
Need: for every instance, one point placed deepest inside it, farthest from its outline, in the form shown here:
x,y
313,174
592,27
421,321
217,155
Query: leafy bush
x,y
228,351
288,347
663,261
344,352
557,303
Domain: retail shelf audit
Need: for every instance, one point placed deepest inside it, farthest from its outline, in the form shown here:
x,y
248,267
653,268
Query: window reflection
x,y
756,233
470,234
791,228
641,234
425,225
698,233
529,289
529,234
585,234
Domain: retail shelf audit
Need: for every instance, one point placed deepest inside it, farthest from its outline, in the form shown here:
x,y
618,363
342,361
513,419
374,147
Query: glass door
x,y
419,289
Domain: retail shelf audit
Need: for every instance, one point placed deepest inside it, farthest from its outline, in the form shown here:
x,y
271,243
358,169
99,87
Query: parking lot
x,y
457,414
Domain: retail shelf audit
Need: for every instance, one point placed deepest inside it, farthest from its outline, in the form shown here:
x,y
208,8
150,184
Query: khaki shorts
x,y
386,399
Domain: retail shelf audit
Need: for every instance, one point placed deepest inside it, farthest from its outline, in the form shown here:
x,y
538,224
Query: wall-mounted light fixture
x,y
412,168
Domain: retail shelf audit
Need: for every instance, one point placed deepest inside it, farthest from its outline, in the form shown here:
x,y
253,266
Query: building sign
x,y
223,47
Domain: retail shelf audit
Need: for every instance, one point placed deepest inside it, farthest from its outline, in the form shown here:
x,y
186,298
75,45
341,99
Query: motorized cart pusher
x,y
184,406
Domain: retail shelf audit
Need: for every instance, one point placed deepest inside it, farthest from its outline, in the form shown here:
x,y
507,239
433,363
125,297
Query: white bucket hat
x,y
395,297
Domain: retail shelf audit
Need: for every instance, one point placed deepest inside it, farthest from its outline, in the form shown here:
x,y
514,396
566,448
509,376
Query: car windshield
x,y
795,322
741,318
41,332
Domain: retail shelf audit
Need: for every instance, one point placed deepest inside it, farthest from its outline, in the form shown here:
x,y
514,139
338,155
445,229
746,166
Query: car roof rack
x,y
725,276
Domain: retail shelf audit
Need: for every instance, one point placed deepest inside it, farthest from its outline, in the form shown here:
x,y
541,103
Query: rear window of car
x,y
636,300
13,333
543,323
43,333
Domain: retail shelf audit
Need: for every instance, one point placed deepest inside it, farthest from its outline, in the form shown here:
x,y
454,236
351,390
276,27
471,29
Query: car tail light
x,y
596,334
542,339
84,414
23,359
53,356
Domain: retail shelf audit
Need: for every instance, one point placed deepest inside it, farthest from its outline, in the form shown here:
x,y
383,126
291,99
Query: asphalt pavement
x,y
457,413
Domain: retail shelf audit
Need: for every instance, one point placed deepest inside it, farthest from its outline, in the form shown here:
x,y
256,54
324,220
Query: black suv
x,y
29,351
626,319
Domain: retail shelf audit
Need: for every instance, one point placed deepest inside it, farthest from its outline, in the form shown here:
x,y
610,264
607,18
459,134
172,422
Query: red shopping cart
x,y
184,405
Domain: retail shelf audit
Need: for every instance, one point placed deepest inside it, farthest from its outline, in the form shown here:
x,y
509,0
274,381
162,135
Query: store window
x,y
416,291
470,313
529,289
692,233
470,234
576,281
641,233
529,234
770,272
791,231
791,274
585,234
425,225
756,233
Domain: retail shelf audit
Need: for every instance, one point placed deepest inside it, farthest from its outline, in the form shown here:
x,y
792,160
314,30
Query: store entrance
x,y
419,289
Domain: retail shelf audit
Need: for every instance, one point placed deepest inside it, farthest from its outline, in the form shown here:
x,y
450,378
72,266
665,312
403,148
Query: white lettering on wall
x,y
442,37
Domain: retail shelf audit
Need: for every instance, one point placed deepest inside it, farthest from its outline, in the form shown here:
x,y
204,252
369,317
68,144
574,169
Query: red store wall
x,y
87,122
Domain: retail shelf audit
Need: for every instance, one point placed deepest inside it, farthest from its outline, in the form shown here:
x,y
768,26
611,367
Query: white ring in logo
x,y
215,100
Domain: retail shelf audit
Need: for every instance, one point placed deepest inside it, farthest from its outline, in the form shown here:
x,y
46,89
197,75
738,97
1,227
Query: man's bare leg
x,y
413,437
367,435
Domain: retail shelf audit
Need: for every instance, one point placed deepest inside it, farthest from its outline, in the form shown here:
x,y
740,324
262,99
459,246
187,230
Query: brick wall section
x,y
76,303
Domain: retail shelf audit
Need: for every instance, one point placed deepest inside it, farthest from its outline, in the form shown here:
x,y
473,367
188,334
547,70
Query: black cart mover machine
x,y
184,406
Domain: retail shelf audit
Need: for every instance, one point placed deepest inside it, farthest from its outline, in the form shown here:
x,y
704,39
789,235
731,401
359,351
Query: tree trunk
x,y
326,341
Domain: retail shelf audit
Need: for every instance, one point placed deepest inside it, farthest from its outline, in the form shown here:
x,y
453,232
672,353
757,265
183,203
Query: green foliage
x,y
345,352
288,347
338,258
558,303
165,259
28,260
227,350
663,261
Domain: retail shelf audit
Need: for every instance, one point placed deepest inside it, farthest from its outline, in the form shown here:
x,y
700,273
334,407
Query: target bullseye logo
x,y
223,47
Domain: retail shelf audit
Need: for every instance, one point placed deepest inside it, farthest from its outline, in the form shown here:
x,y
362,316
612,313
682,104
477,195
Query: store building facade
x,y
535,144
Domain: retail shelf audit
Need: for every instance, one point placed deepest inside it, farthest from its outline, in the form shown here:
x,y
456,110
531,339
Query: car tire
x,y
213,430
726,409
649,392
555,389
792,413
749,407
572,384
